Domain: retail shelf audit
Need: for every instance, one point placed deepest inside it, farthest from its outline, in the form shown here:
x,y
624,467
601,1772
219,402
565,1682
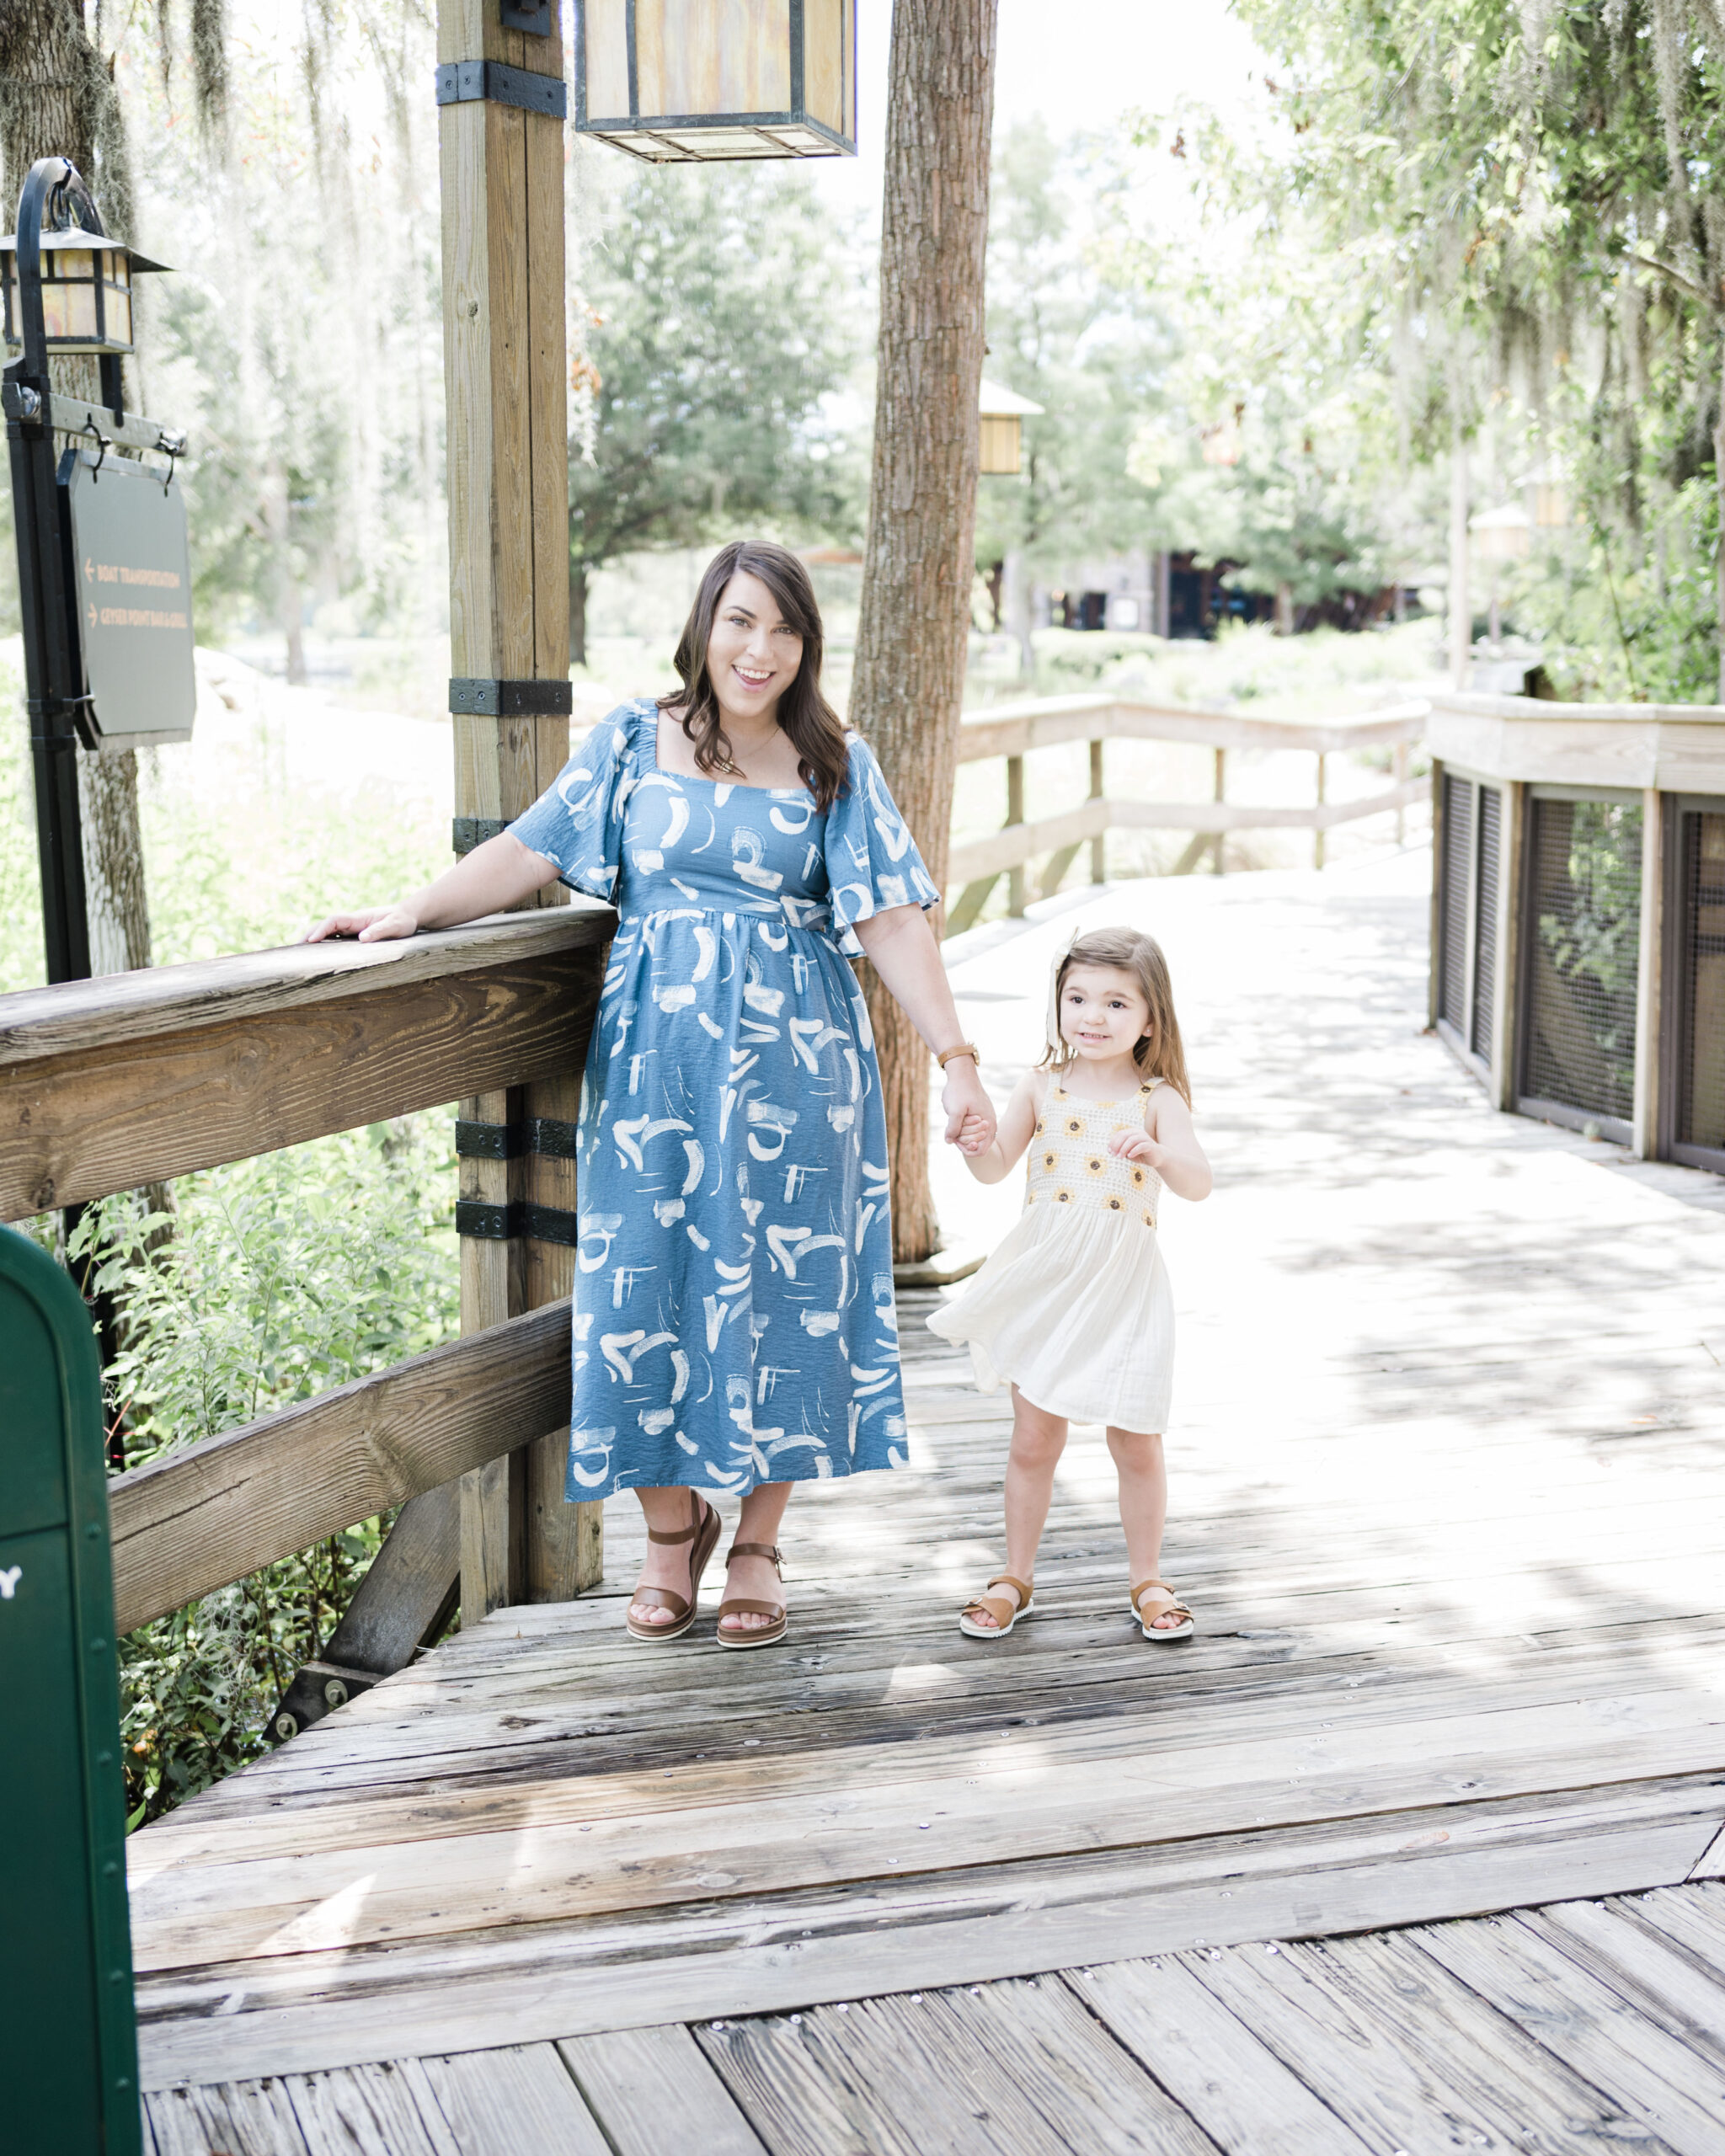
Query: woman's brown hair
x,y
814,728
1160,1052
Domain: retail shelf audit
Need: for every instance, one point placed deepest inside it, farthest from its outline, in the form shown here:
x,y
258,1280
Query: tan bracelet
x,y
965,1048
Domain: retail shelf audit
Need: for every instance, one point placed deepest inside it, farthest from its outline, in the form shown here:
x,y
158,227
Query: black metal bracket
x,y
507,1141
503,1224
467,832
532,16
466,82
511,699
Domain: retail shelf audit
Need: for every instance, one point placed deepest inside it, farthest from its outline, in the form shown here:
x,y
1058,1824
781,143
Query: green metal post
x,y
68,2042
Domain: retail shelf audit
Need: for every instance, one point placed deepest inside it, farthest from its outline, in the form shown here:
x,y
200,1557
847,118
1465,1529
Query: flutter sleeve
x,y
577,821
872,860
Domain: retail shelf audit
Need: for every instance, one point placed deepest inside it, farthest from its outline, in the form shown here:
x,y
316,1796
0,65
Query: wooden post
x,y
1317,831
1400,780
1506,985
1015,814
1649,981
1098,844
502,173
1434,972
1220,794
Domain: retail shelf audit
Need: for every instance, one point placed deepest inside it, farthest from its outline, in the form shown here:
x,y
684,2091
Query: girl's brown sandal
x,y
1169,1607
702,1531
753,1635
1005,1614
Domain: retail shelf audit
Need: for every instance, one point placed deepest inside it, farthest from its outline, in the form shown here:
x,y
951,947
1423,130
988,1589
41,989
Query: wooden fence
x,y
138,1077
1012,731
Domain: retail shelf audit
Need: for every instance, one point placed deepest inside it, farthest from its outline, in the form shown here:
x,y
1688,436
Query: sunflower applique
x,y
1114,1204
1063,1197
1149,1219
1138,1178
1050,1160
1097,1165
1075,1126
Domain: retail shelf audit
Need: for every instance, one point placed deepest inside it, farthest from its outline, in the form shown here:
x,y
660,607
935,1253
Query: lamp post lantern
x,y
701,82
103,573
1000,439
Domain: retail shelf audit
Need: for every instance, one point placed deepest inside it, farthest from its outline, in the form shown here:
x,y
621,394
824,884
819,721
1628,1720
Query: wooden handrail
x,y
1013,731
218,1510
1046,722
137,1077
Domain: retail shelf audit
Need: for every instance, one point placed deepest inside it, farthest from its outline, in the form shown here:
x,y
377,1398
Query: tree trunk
x,y
1719,483
1285,610
577,611
1461,600
912,640
57,101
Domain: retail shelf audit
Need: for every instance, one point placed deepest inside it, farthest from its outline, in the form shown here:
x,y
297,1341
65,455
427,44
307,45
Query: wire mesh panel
x,y
1700,939
1485,920
1584,865
1458,863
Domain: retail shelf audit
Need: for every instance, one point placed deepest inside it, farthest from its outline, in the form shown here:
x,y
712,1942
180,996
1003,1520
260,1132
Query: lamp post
x,y
66,287
692,81
1500,536
1001,446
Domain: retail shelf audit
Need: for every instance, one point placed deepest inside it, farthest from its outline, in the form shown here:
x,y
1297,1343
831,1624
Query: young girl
x,y
1074,1309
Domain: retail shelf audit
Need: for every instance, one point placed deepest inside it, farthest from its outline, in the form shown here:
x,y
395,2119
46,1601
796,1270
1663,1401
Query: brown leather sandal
x,y
753,1635
702,1531
1006,1613
1171,1607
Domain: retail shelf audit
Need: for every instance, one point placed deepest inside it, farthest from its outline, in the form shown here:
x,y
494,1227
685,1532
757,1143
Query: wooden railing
x,y
108,1084
1013,731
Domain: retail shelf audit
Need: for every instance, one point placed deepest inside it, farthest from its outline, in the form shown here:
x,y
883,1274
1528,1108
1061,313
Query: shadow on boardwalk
x,y
1446,1478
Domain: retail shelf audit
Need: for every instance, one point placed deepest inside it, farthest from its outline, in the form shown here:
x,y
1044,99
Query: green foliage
x,y
724,317
1072,324
279,1278
1533,195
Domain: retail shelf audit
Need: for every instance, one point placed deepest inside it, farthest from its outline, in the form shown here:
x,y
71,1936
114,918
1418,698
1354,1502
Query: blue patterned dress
x,y
734,1320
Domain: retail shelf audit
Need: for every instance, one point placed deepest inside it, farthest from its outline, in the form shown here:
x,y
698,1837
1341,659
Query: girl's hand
x,y
1138,1145
371,924
970,1118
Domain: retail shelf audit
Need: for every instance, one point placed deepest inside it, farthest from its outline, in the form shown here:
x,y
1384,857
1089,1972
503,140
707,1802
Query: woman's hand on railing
x,y
492,879
370,925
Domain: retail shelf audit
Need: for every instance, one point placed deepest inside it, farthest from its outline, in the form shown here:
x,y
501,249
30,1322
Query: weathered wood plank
x,y
653,2090
218,1510
148,1108
1211,2062
234,2118
1711,1865
385,2110
1656,1977
1395,2045
518,2101
939,2075
748,1955
1660,2081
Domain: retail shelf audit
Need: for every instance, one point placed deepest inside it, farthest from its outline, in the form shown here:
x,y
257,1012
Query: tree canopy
x,y
724,317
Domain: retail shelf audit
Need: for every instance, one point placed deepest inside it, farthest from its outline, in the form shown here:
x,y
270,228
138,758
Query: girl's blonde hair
x,y
1160,1053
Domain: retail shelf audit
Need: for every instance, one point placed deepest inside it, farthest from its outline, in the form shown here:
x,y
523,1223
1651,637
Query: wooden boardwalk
x,y
1448,1463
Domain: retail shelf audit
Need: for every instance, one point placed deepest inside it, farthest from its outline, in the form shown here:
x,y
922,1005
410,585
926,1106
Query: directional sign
x,y
133,593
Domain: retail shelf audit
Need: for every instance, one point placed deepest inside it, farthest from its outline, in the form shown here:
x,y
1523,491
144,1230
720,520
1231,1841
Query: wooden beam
x,y
505,384
226,1068
220,1509
1047,721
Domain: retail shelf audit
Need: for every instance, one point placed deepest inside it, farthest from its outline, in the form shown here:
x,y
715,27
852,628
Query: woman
x,y
733,1321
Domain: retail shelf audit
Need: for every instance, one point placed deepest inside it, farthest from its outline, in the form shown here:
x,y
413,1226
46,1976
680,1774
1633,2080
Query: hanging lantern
x,y
1000,444
83,274
1501,534
698,81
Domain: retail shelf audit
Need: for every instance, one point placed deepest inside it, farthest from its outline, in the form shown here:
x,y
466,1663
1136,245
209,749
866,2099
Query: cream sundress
x,y
1075,1307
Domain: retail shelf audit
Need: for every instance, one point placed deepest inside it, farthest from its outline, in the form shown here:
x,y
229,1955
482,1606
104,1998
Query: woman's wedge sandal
x,y
702,1531
1168,1606
753,1635
1005,1614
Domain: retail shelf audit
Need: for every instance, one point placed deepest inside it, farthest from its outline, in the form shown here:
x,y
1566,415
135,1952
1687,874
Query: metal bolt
x,y
335,1693
286,1727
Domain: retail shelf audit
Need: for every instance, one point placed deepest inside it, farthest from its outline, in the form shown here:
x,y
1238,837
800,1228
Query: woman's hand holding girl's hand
x,y
970,1118
370,925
